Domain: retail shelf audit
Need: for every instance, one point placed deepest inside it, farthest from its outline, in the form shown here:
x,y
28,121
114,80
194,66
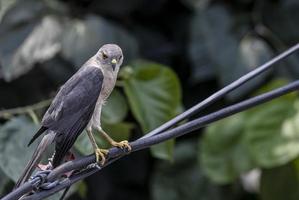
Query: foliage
x,y
151,105
171,47
263,137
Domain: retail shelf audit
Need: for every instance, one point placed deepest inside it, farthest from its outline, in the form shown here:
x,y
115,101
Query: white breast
x,y
107,87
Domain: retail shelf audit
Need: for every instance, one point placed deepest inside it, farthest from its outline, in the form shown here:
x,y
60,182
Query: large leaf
x,y
31,33
14,153
224,154
265,136
27,38
118,132
115,109
154,96
113,114
270,131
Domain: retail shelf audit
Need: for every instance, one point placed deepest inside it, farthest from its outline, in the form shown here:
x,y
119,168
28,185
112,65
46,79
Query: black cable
x,y
116,153
152,138
221,93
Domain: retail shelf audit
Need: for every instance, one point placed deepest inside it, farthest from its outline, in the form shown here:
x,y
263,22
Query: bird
x,y
77,106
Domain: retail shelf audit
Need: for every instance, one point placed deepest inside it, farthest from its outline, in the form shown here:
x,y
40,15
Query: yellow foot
x,y
101,155
123,145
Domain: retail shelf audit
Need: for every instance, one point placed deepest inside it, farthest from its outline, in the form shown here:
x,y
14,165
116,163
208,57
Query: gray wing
x,y
76,99
72,109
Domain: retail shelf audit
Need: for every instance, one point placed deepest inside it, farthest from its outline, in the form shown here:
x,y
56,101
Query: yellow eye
x,y
104,56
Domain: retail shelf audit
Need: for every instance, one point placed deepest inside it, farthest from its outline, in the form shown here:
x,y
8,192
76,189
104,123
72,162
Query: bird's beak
x,y
113,62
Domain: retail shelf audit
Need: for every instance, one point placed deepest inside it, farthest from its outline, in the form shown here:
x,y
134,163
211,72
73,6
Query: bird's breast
x,y
107,86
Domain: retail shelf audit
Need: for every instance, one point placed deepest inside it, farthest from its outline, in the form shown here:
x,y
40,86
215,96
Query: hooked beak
x,y
113,62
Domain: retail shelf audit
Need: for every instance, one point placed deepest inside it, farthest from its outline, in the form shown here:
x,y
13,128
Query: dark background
x,y
207,43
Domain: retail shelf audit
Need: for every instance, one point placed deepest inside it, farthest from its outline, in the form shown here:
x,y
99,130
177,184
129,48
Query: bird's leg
x,y
122,144
100,153
48,166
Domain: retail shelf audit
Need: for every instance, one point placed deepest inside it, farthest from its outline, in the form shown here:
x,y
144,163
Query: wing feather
x,y
77,96
72,109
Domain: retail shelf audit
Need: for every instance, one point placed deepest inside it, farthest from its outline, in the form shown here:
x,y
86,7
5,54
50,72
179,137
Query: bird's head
x,y
110,57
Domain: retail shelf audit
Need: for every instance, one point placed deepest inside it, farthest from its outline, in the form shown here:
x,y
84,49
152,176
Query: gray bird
x,y
77,106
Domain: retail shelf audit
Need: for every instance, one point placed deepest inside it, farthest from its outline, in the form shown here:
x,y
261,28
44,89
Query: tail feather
x,y
37,134
36,157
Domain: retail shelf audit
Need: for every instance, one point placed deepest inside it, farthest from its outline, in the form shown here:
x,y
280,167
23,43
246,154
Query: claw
x,y
123,145
44,167
101,156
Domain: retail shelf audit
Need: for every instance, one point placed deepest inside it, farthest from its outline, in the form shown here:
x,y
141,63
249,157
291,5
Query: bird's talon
x,y
123,145
101,156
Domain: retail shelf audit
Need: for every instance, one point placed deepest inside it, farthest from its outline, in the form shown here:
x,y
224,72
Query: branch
x,y
116,153
21,110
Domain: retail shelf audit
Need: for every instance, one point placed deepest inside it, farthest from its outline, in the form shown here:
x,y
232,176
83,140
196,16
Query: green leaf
x,y
154,95
115,109
270,134
35,31
224,154
280,183
265,136
14,153
113,114
164,150
27,36
120,131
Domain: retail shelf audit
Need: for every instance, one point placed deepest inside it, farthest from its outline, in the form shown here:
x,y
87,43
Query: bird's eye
x,y
120,57
104,56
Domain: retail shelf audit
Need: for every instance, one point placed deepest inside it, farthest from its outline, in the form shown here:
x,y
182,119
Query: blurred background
x,y
177,52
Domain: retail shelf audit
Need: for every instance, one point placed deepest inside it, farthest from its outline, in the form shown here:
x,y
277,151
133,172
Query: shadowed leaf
x,y
154,96
265,136
14,153
115,108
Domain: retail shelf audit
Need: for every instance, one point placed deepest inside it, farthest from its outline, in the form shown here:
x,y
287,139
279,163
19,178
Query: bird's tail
x,y
36,157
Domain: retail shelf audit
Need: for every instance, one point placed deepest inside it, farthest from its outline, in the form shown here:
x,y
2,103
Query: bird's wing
x,y
65,102
76,97
65,141
72,108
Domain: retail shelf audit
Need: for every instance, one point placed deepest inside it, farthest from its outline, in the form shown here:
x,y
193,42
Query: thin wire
x,y
215,116
152,138
175,132
221,93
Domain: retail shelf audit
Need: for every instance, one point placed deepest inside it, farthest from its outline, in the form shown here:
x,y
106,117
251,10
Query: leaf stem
x,y
26,109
